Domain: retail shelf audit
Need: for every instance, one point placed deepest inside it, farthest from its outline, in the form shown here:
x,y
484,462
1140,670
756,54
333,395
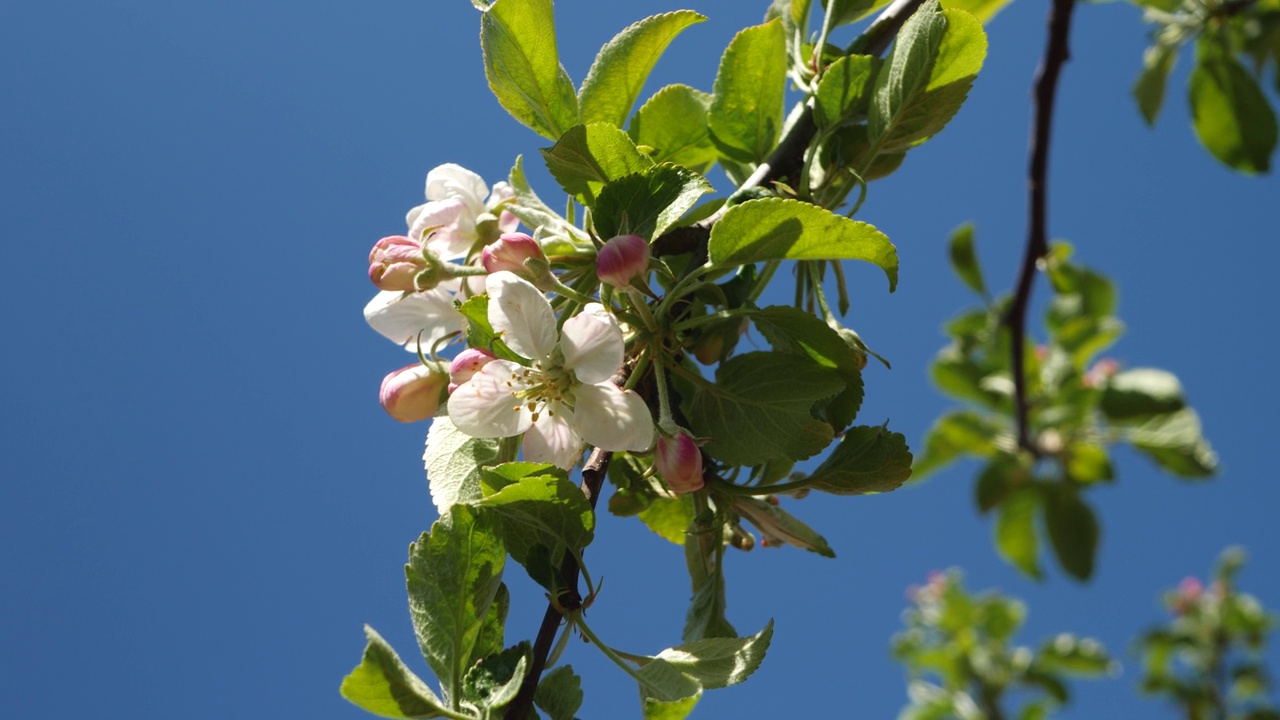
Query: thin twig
x,y
1046,88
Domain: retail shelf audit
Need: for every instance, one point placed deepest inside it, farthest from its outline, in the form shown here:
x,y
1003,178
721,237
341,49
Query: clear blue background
x,y
202,502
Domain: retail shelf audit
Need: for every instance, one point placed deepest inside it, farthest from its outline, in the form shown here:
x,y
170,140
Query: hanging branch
x,y
1046,88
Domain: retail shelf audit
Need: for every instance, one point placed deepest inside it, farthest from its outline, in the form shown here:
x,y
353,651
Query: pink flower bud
x,y
394,262
511,252
467,363
622,260
679,462
413,392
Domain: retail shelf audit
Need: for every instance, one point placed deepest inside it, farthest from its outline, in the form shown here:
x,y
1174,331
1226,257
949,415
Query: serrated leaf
x,y
480,333
1148,90
1073,531
720,662
1016,531
620,69
489,641
792,330
844,12
522,64
955,434
760,408
1231,116
559,693
671,689
965,261
1141,393
587,157
704,559
669,518
453,460
983,10
493,681
784,229
674,124
869,459
453,575
534,213
497,477
1176,443
778,525
648,202
845,89
382,685
745,117
538,519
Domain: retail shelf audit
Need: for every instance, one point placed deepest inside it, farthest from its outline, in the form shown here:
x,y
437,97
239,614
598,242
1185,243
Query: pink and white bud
x,y
516,253
622,260
1101,371
679,462
414,392
394,262
467,364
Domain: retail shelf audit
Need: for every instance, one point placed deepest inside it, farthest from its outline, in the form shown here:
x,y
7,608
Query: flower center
x,y
545,388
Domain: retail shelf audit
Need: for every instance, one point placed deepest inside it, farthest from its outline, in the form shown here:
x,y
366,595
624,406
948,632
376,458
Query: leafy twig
x,y
1046,88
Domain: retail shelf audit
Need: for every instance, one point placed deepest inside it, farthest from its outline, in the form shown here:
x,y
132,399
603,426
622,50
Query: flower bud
x,y
679,462
466,364
394,262
414,392
622,260
519,254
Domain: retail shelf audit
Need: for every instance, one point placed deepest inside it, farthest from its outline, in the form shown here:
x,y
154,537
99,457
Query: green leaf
x,y
382,685
869,459
670,689
494,681
792,330
1067,653
453,460
1176,443
704,558
957,433
480,333
845,89
674,124
669,517
1088,462
521,61
1073,530
538,519
964,261
587,157
648,202
982,10
783,229
1002,476
453,575
1231,115
489,641
1140,394
760,408
559,693
1148,91
720,662
614,81
1016,531
778,525
745,117
927,77
844,12
531,211
497,477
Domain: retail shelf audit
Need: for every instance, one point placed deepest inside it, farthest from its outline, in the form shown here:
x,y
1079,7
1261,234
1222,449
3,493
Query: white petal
x,y
552,440
592,344
406,318
443,213
522,314
612,419
485,407
454,181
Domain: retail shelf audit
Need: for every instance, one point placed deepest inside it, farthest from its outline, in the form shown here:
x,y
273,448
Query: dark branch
x,y
1046,88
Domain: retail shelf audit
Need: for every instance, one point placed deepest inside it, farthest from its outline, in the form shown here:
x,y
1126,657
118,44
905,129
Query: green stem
x,y
575,618
507,449
815,281
637,301
754,490
713,317
762,280
666,422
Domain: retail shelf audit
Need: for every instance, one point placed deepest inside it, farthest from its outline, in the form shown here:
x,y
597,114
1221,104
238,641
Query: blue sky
x,y
202,501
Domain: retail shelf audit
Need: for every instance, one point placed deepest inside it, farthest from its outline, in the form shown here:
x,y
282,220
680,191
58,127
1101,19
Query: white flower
x,y
565,397
409,318
455,207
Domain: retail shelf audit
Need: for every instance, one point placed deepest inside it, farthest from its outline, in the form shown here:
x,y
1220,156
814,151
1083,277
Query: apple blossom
x,y
679,462
622,259
413,392
564,397
466,364
516,253
394,262
414,320
456,216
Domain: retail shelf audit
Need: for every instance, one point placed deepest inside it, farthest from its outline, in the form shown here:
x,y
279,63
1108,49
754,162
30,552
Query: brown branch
x,y
1046,88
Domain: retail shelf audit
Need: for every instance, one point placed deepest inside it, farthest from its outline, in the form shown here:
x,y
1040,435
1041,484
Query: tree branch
x,y
1046,88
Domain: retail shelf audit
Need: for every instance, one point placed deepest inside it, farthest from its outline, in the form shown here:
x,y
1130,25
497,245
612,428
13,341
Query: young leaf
x,y
1016,531
869,459
1002,476
1073,531
669,518
453,575
1176,443
539,518
666,693
759,408
1231,115
620,69
453,460
497,477
720,662
648,202
957,433
965,261
674,124
778,525
559,693
521,61
982,10
844,12
1148,91
783,229
531,211
1140,394
480,333
745,117
493,681
845,89
382,685
704,557
588,156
